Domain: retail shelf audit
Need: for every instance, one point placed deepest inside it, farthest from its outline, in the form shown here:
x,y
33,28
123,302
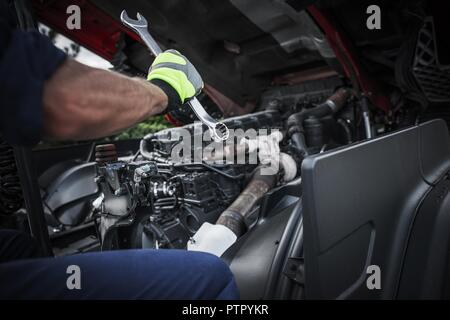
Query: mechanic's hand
x,y
176,76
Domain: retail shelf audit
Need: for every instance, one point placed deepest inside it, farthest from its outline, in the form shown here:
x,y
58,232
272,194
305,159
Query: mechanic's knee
x,y
217,264
221,275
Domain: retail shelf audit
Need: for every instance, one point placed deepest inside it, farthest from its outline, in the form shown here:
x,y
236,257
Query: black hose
x,y
295,122
347,130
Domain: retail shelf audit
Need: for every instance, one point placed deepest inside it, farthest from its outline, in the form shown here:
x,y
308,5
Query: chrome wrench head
x,y
140,27
220,132
134,24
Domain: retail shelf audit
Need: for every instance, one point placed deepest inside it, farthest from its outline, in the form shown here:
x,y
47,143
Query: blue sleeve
x,y
27,60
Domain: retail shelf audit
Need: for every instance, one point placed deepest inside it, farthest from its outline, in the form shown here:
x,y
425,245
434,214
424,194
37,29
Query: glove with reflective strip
x,y
176,76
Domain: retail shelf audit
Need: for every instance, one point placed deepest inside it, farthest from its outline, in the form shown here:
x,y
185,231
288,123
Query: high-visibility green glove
x,y
176,76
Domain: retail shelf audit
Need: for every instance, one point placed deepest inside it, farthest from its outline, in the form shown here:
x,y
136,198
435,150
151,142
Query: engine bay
x,y
159,198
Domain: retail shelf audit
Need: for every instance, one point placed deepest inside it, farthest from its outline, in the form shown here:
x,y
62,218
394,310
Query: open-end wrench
x,y
219,131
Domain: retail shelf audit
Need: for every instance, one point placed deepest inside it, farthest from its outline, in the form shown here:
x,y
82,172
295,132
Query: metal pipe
x,y
234,216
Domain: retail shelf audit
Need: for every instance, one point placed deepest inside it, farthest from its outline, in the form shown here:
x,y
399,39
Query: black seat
x,y
360,207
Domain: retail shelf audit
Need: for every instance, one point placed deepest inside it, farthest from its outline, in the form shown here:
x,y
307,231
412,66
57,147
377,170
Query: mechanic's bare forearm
x,y
82,103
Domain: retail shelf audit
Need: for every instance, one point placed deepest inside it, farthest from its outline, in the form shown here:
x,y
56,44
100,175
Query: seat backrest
x,y
359,206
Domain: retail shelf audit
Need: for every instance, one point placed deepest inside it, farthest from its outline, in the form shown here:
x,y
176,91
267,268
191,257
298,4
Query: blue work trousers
x,y
128,274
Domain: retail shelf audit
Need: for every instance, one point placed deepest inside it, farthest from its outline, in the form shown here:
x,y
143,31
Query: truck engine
x,y
161,196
